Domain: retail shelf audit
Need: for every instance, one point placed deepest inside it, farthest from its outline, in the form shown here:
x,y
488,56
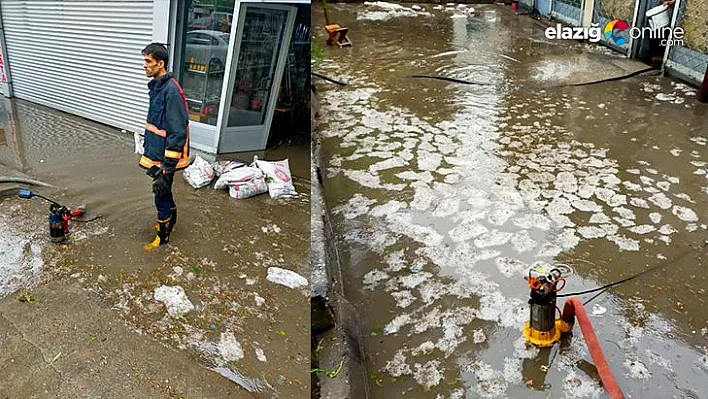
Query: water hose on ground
x,y
319,75
694,247
454,80
573,310
467,82
5,179
622,77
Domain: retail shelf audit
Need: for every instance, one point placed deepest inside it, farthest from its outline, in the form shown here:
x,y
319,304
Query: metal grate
x,y
608,10
568,11
616,9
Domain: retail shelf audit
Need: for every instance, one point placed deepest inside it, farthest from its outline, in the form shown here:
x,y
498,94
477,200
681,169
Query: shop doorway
x,y
262,42
239,63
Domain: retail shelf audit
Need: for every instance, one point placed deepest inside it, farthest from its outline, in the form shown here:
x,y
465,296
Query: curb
x,y
337,344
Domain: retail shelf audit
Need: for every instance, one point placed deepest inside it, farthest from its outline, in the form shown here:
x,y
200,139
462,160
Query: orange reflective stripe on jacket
x,y
183,163
148,163
153,129
181,155
172,154
184,160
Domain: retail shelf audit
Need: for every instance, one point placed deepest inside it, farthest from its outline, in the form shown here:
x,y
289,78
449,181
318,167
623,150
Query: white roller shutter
x,y
81,57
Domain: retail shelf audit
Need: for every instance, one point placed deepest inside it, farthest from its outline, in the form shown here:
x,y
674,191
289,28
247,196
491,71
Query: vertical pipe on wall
x,y
674,22
635,19
588,11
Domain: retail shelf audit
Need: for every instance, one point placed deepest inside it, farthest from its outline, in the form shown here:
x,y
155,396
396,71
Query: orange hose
x,y
574,309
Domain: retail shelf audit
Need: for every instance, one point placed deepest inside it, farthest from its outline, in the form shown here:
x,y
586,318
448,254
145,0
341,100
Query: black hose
x,y
593,297
5,179
319,75
455,80
595,82
643,272
47,199
630,75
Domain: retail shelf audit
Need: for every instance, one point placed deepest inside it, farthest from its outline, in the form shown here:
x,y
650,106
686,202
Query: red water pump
x,y
59,216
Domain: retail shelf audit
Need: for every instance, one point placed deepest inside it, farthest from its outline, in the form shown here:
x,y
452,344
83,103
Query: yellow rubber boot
x,y
163,235
173,221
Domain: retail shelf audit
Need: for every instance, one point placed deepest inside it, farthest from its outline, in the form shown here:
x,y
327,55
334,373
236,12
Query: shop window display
x,y
206,43
262,40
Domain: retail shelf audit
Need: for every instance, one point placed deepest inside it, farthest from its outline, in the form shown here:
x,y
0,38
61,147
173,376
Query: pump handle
x,y
25,193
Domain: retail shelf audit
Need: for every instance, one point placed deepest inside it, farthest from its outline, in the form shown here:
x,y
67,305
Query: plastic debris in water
x,y
250,384
598,310
287,278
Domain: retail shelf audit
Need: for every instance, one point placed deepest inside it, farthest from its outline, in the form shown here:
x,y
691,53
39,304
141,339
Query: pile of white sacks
x,y
243,181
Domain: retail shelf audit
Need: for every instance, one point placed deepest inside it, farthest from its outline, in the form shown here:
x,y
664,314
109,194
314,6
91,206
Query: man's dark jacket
x,y
167,126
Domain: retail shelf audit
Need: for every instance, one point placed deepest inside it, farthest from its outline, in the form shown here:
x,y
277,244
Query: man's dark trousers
x,y
165,203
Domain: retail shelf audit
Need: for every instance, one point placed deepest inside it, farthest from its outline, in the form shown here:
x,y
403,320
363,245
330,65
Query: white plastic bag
x,y
238,176
199,173
139,142
222,167
248,189
278,177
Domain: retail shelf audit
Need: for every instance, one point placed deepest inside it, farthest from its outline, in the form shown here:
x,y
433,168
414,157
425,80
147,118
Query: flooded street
x,y
251,330
444,194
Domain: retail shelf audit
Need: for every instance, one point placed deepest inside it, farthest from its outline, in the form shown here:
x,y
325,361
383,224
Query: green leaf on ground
x,y
330,373
377,330
27,297
334,373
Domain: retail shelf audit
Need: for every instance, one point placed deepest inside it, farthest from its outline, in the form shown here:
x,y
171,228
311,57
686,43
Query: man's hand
x,y
153,171
669,2
162,184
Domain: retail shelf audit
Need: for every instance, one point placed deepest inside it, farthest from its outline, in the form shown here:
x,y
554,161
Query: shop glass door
x,y
262,43
201,61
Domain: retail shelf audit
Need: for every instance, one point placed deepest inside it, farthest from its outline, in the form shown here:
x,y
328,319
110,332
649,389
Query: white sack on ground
x,y
238,176
222,167
278,177
243,182
248,189
199,173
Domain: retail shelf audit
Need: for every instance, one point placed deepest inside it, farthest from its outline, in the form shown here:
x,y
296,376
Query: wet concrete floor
x,y
219,254
444,194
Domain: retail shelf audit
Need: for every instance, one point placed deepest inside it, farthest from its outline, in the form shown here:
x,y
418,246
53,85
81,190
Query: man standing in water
x,y
166,147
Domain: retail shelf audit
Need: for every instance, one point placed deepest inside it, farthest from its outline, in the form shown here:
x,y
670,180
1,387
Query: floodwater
x,y
444,194
249,329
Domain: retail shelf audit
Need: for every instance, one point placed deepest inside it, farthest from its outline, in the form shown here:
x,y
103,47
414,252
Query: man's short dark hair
x,y
158,52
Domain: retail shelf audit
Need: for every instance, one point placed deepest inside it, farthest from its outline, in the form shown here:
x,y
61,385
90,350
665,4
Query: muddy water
x,y
220,250
444,194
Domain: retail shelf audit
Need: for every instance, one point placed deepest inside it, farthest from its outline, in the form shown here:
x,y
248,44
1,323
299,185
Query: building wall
x,y
695,24
689,62
82,58
617,9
